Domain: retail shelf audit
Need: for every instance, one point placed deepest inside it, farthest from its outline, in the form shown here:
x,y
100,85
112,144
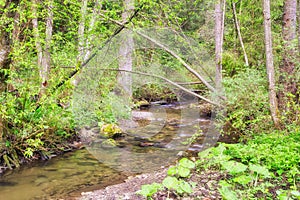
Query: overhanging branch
x,y
170,82
116,32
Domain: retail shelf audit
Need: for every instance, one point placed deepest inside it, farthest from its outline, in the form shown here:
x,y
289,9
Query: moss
x,y
110,130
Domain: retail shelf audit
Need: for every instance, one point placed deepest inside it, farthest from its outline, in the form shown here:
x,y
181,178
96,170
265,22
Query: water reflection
x,y
58,178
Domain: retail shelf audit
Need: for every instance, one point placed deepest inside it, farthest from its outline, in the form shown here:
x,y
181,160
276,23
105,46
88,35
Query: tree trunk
x,y
44,58
269,63
298,17
81,29
219,28
36,34
46,63
96,11
287,70
5,48
125,52
238,30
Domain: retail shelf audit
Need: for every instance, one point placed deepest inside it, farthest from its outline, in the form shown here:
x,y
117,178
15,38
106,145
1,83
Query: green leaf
x,y
170,182
183,171
184,162
205,153
234,167
260,170
2,2
172,171
149,189
185,187
243,179
227,193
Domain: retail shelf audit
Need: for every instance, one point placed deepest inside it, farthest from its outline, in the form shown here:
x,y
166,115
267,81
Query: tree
x,y
44,57
126,50
81,29
287,69
219,32
270,63
238,30
7,11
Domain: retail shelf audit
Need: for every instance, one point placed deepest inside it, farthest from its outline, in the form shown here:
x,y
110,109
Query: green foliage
x,y
182,169
149,189
256,167
174,181
154,92
247,101
178,185
234,167
227,192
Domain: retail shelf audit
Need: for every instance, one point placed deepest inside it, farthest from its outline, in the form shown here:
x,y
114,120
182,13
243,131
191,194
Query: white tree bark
x,y
219,30
36,34
125,53
88,47
81,28
44,58
270,63
237,25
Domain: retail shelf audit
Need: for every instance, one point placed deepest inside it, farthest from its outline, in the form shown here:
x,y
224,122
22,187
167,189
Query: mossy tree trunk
x,y
287,69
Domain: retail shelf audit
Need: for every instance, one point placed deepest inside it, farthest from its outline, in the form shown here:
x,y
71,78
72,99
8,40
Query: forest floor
x,y
206,189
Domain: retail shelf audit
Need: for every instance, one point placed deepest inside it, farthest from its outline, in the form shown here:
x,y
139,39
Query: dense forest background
x,y
253,69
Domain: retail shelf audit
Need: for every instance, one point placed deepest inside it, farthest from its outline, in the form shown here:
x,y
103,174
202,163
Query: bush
x,y
247,101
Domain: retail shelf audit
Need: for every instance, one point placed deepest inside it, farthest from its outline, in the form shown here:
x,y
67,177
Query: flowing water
x,y
94,167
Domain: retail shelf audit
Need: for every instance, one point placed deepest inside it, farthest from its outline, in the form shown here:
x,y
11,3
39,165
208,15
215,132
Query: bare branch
x,y
180,60
170,82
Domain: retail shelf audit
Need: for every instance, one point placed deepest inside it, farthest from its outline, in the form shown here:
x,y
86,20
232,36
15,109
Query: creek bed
x,y
154,143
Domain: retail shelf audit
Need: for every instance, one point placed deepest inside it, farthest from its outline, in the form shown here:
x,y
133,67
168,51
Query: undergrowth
x,y
266,167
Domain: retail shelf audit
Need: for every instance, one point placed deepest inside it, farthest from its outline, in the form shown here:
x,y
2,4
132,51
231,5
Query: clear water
x,y
63,177
66,176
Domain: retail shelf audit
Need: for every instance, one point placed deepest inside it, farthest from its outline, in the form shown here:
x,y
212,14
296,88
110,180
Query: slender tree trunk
x,y
46,63
238,30
125,52
5,49
219,29
287,70
36,34
96,9
81,28
44,58
298,17
270,63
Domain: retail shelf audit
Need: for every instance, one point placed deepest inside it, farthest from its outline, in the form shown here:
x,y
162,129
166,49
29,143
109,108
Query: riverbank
x,y
127,190
265,167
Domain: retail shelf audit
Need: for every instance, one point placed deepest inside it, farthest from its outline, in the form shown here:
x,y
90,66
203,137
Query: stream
x,y
155,142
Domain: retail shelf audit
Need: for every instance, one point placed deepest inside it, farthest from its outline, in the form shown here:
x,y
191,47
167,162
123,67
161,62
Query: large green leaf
x,y
243,179
170,182
149,189
172,170
261,170
227,193
185,187
183,171
234,167
184,162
